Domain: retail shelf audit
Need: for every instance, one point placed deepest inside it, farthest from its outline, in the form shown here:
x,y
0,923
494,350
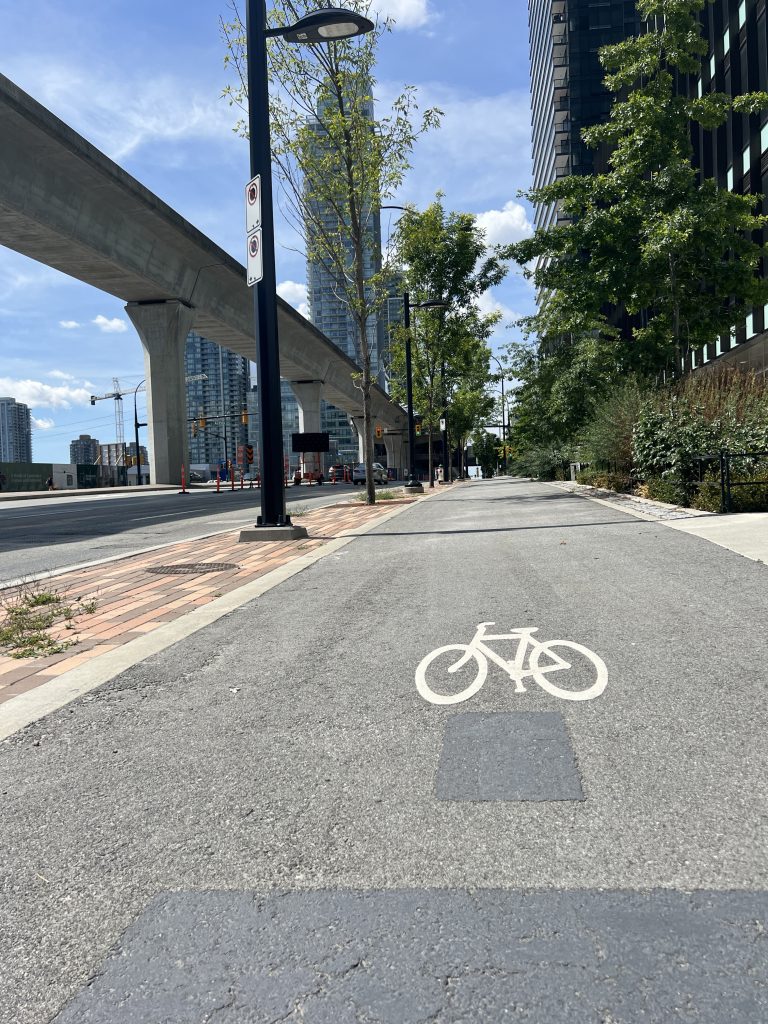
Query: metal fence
x,y
725,461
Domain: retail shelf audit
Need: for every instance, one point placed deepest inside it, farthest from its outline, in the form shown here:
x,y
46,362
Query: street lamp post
x,y
136,426
412,482
503,409
325,25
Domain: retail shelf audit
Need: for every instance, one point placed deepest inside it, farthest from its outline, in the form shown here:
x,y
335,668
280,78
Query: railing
x,y
725,459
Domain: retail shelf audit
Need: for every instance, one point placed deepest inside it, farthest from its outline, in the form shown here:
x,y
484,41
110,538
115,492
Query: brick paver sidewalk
x,y
139,593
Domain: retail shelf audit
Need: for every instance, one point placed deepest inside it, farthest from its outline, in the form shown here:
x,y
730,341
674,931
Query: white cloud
x,y
41,424
510,224
480,155
113,326
47,396
296,294
404,13
60,375
122,115
68,325
488,303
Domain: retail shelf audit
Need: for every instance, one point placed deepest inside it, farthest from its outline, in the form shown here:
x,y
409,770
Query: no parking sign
x,y
253,229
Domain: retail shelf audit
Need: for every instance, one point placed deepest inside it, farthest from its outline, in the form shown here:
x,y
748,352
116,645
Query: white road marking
x,y
515,668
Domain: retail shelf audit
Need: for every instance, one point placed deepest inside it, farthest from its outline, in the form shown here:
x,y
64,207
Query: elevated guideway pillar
x,y
163,328
358,422
308,394
395,449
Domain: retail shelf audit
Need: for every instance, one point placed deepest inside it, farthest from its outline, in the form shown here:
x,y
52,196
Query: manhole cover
x,y
190,568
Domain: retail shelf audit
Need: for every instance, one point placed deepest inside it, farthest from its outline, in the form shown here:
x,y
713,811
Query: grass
x,y
380,495
31,618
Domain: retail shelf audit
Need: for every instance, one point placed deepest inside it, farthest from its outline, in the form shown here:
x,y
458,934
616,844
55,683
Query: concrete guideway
x,y
259,822
67,205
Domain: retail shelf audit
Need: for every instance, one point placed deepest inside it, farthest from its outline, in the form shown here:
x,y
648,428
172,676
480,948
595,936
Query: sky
x,y
143,82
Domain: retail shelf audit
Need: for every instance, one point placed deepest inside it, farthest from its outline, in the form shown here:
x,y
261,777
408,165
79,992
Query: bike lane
x,y
287,829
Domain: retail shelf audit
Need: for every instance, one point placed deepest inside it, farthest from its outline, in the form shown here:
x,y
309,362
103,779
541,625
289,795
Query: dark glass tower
x,y
567,91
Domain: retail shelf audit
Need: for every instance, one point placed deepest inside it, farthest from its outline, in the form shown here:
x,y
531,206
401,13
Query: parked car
x,y
379,473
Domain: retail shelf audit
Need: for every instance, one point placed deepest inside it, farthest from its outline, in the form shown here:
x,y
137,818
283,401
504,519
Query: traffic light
x,y
201,423
194,428
244,417
379,432
93,399
417,429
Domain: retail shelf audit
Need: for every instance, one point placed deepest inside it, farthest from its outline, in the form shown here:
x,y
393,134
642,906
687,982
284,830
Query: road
x,y
267,821
43,535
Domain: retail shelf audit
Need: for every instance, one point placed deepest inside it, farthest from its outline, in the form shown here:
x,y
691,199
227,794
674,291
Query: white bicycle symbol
x,y
538,669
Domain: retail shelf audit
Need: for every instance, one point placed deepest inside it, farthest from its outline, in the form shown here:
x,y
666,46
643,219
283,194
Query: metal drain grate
x,y
190,568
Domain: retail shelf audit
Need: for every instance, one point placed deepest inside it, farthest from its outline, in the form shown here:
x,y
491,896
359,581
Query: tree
x,y
444,256
335,163
650,237
485,449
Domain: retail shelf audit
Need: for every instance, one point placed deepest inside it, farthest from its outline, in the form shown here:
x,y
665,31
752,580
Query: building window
x,y
764,138
750,325
699,88
726,41
712,67
729,178
745,160
742,13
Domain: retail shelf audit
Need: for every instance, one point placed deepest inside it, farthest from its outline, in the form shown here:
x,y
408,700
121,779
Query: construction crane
x,y
117,395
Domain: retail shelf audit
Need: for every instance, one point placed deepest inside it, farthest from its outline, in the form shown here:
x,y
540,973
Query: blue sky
x,y
142,81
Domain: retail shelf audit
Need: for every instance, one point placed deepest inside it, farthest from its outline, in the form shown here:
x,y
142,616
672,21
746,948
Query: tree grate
x,y
190,568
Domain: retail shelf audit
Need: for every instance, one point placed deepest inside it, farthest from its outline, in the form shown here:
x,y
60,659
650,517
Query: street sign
x,y
442,424
253,205
255,262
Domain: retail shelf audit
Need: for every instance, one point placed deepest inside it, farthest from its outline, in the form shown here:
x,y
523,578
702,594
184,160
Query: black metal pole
x,y
265,300
136,432
412,480
503,426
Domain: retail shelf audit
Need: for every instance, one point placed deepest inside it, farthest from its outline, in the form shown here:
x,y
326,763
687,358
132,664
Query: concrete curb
x,y
30,707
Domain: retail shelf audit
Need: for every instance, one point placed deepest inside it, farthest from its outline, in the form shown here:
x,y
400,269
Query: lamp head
x,y
325,26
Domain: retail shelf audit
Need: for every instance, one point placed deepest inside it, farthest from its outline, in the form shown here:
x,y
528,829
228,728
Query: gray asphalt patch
x,y
507,757
436,956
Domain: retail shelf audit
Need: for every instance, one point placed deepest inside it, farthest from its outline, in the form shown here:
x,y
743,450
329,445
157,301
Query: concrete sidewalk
x,y
744,533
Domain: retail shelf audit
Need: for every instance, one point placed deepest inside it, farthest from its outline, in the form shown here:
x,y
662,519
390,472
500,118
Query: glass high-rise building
x,y
218,383
736,154
330,314
567,95
567,91
15,431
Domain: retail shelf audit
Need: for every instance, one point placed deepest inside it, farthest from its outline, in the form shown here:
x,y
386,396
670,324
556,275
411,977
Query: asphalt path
x,y
268,821
41,536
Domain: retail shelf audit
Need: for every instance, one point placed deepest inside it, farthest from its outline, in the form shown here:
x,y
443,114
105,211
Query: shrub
x,y
621,482
607,438
701,414
670,489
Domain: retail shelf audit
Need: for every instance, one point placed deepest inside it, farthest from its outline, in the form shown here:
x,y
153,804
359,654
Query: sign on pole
x,y
255,262
253,230
253,205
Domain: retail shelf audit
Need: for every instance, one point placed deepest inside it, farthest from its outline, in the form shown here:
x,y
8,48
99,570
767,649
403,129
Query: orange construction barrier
x,y
183,481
